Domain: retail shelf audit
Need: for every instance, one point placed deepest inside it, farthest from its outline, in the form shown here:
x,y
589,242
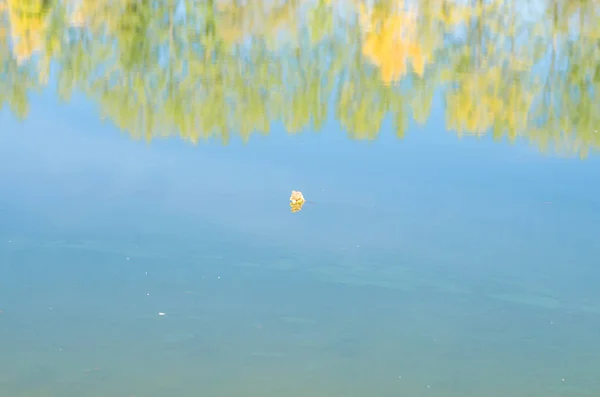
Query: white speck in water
x,y
161,313
127,258
428,386
399,377
147,293
563,379
551,322
219,277
146,273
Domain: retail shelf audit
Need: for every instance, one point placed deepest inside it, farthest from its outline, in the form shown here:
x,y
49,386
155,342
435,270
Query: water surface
x,y
448,151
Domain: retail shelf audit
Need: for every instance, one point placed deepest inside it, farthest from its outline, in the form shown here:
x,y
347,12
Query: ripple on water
x,y
178,337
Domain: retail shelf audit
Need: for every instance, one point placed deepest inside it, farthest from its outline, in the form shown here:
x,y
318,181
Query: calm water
x,y
448,151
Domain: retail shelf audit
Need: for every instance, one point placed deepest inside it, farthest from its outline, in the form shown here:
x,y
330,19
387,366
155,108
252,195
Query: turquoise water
x,y
437,265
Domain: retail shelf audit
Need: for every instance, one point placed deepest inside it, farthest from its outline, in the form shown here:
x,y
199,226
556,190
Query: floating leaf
x,y
296,201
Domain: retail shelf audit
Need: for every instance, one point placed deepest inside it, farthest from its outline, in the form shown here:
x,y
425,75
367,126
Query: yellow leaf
x,y
296,201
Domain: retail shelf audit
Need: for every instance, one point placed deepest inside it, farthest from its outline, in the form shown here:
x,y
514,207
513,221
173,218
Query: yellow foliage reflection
x,y
221,69
28,21
391,42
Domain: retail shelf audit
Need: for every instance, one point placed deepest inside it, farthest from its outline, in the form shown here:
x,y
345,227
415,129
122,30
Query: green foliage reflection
x,y
214,68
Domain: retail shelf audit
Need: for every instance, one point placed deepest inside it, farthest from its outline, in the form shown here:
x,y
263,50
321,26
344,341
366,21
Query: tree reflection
x,y
202,69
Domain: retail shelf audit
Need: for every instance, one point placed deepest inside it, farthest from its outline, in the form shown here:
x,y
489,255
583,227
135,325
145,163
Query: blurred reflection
x,y
212,68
